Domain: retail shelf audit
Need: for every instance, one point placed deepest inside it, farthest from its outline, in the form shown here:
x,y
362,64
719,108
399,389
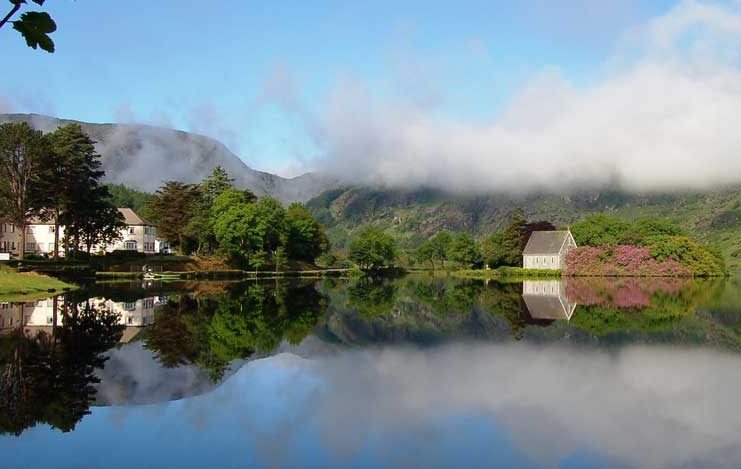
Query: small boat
x,y
160,276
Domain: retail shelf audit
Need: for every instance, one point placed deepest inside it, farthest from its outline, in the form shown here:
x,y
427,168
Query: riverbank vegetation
x,y
607,247
27,286
650,247
215,218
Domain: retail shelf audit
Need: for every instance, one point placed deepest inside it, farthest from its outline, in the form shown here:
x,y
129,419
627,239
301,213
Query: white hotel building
x,y
138,235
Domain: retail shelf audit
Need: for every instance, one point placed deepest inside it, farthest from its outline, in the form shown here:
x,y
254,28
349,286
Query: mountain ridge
x,y
144,156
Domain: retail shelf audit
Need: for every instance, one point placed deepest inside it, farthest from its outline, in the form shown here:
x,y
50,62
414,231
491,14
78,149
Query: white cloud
x,y
666,118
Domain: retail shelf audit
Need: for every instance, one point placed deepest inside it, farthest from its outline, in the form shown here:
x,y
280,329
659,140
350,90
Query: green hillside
x,y
412,216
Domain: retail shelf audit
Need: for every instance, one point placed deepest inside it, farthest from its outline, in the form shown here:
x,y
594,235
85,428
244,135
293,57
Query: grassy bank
x,y
16,286
507,272
234,274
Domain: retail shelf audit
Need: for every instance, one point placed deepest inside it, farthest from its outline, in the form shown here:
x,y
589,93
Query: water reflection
x,y
211,331
547,299
126,345
48,371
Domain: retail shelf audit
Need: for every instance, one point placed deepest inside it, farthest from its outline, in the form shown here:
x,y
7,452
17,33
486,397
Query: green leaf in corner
x,y
35,27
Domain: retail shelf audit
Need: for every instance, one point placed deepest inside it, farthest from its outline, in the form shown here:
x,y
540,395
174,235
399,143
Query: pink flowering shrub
x,y
620,261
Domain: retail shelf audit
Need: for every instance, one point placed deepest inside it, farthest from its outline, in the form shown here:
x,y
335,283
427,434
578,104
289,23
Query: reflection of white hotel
x,y
39,315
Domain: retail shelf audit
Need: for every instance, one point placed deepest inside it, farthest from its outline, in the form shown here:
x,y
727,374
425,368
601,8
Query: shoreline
x,y
18,287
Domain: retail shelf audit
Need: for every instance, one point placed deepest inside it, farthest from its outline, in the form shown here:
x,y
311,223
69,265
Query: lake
x,y
416,371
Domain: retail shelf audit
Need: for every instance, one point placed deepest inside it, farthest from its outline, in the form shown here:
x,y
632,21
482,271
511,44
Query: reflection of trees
x,y
446,295
372,297
637,304
213,331
48,377
505,300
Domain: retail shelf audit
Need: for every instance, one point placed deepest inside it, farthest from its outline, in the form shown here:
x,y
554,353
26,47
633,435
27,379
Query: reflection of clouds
x,y
464,404
645,406
133,376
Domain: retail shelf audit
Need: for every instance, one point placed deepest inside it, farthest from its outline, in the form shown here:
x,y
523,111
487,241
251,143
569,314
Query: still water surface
x,y
416,371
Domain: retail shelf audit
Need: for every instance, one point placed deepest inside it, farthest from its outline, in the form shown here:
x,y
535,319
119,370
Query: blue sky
x,y
256,74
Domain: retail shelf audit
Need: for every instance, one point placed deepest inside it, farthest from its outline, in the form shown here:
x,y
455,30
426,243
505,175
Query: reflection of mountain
x,y
133,376
546,299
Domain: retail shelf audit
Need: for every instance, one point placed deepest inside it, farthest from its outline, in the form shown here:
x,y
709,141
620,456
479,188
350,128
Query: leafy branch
x,y
34,26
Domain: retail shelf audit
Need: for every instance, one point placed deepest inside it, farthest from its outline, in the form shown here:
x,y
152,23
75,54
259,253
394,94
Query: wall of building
x,y
135,238
40,239
548,262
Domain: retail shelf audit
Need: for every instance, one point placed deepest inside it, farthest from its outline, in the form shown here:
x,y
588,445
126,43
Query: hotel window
x,y
132,230
30,246
130,245
12,245
51,228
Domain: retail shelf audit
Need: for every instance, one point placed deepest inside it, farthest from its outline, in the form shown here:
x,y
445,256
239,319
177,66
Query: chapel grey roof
x,y
548,307
545,242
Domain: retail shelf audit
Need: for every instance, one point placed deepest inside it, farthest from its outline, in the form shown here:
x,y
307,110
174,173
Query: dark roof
x,y
131,218
545,242
548,307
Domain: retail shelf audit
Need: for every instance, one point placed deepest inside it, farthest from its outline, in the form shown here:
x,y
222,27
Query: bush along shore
x,y
641,261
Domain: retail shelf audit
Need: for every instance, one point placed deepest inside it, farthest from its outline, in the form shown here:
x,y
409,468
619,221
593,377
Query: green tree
x,y
600,230
464,250
280,258
237,232
492,250
425,253
34,26
306,237
123,196
200,227
440,246
23,152
272,223
512,238
647,228
75,197
373,249
173,207
101,224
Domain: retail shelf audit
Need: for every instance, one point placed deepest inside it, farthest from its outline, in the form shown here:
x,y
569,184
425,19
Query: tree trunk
x,y
22,247
56,234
